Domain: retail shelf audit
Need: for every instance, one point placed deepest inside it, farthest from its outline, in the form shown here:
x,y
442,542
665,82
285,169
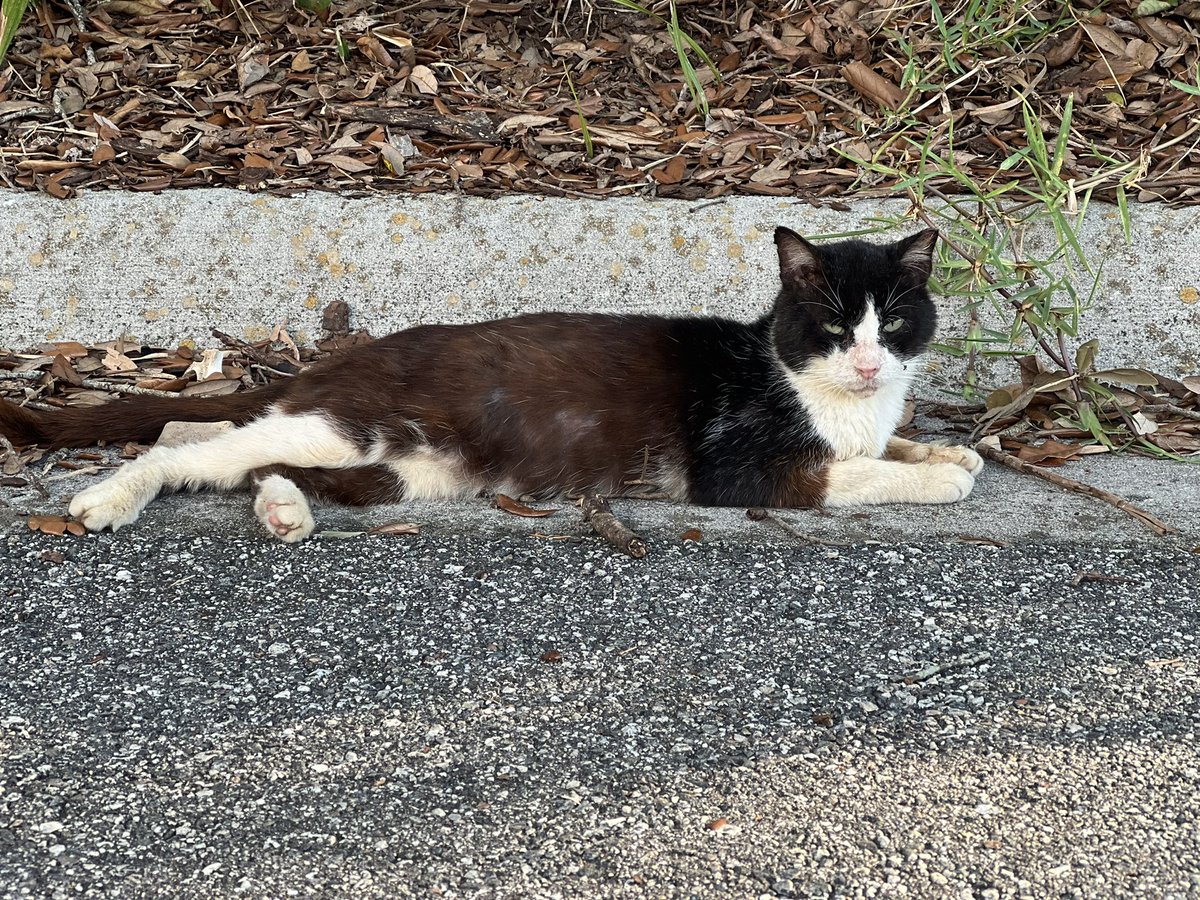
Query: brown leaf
x,y
717,824
55,525
692,534
335,319
396,528
872,85
423,79
52,556
115,361
672,172
552,656
1064,51
62,369
509,505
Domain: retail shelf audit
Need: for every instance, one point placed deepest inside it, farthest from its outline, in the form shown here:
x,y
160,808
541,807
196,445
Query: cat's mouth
x,y
864,390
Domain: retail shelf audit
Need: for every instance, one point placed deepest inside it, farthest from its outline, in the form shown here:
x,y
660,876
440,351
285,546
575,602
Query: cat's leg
x,y
282,493
862,481
911,452
307,440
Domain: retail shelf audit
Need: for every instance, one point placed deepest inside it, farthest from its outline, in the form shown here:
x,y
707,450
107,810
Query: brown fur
x,y
138,419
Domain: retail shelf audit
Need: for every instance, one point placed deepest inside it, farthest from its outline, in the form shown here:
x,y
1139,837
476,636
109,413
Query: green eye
x,y
893,325
833,327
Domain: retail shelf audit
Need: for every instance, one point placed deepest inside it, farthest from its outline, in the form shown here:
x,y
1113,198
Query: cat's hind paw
x,y
112,503
283,509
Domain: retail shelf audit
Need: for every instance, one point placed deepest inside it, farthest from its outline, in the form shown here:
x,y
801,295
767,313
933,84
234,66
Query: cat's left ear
x,y
798,259
916,253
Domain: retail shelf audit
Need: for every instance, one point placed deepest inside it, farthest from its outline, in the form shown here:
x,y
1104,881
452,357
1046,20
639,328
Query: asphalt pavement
x,y
878,704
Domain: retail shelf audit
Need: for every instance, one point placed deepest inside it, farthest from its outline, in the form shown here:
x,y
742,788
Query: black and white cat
x,y
795,409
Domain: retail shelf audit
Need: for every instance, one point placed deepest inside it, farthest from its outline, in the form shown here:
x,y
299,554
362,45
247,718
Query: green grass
x,y
583,122
685,45
11,12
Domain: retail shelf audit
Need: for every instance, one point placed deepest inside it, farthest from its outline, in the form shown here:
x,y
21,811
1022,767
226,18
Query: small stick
x,y
1081,577
101,384
598,514
960,663
1007,459
1173,409
74,473
759,514
76,8
5,375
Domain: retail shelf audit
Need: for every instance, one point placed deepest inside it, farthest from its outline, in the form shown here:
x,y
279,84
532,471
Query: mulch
x,y
474,97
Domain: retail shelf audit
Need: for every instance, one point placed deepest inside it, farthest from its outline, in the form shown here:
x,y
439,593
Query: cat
x,y
796,409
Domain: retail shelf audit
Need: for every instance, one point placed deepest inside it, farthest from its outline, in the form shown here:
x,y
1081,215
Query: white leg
x,y
912,452
224,462
862,480
283,509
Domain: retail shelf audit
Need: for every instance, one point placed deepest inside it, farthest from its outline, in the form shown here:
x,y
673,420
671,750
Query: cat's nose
x,y
867,372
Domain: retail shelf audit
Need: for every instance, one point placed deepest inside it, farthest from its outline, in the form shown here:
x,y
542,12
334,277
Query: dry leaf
x,y
118,362
396,528
423,79
523,122
56,525
872,85
509,505
717,824
552,657
692,534
209,365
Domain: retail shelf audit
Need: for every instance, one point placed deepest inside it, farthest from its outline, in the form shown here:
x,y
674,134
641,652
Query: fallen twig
x,y
994,453
1081,577
1172,409
101,384
962,662
598,514
759,514
276,362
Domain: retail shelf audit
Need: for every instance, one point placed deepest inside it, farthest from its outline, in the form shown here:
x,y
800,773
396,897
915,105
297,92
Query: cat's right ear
x,y
799,262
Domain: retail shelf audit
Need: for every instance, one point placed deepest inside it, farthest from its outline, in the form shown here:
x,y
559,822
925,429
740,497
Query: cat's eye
x,y
893,325
833,328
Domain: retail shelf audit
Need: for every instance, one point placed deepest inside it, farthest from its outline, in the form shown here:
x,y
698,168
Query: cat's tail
x,y
137,418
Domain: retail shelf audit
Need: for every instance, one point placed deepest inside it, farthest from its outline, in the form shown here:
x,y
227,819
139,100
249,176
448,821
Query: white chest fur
x,y
852,426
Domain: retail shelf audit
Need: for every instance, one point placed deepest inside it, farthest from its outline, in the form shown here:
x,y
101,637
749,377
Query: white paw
x,y
959,456
946,482
117,501
283,509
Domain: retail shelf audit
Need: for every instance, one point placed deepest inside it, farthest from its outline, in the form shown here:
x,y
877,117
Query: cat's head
x,y
852,314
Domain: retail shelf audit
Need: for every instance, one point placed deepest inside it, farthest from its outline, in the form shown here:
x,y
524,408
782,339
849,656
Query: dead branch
x,y
1007,459
276,362
477,127
598,514
950,666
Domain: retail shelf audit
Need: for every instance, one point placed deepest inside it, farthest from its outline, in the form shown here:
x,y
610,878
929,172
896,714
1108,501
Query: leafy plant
x,y
1025,302
11,12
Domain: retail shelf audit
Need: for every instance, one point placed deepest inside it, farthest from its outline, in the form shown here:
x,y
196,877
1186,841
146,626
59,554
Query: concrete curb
x,y
172,266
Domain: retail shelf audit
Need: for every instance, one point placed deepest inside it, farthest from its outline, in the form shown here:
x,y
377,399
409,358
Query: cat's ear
x,y
916,253
798,259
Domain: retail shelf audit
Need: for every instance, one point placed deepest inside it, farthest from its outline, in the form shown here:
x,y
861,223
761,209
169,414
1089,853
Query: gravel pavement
x,y
190,710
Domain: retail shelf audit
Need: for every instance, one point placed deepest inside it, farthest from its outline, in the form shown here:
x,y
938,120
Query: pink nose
x,y
867,373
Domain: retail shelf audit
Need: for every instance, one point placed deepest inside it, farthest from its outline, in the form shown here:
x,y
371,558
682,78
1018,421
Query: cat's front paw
x,y
945,482
957,455
111,504
283,509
